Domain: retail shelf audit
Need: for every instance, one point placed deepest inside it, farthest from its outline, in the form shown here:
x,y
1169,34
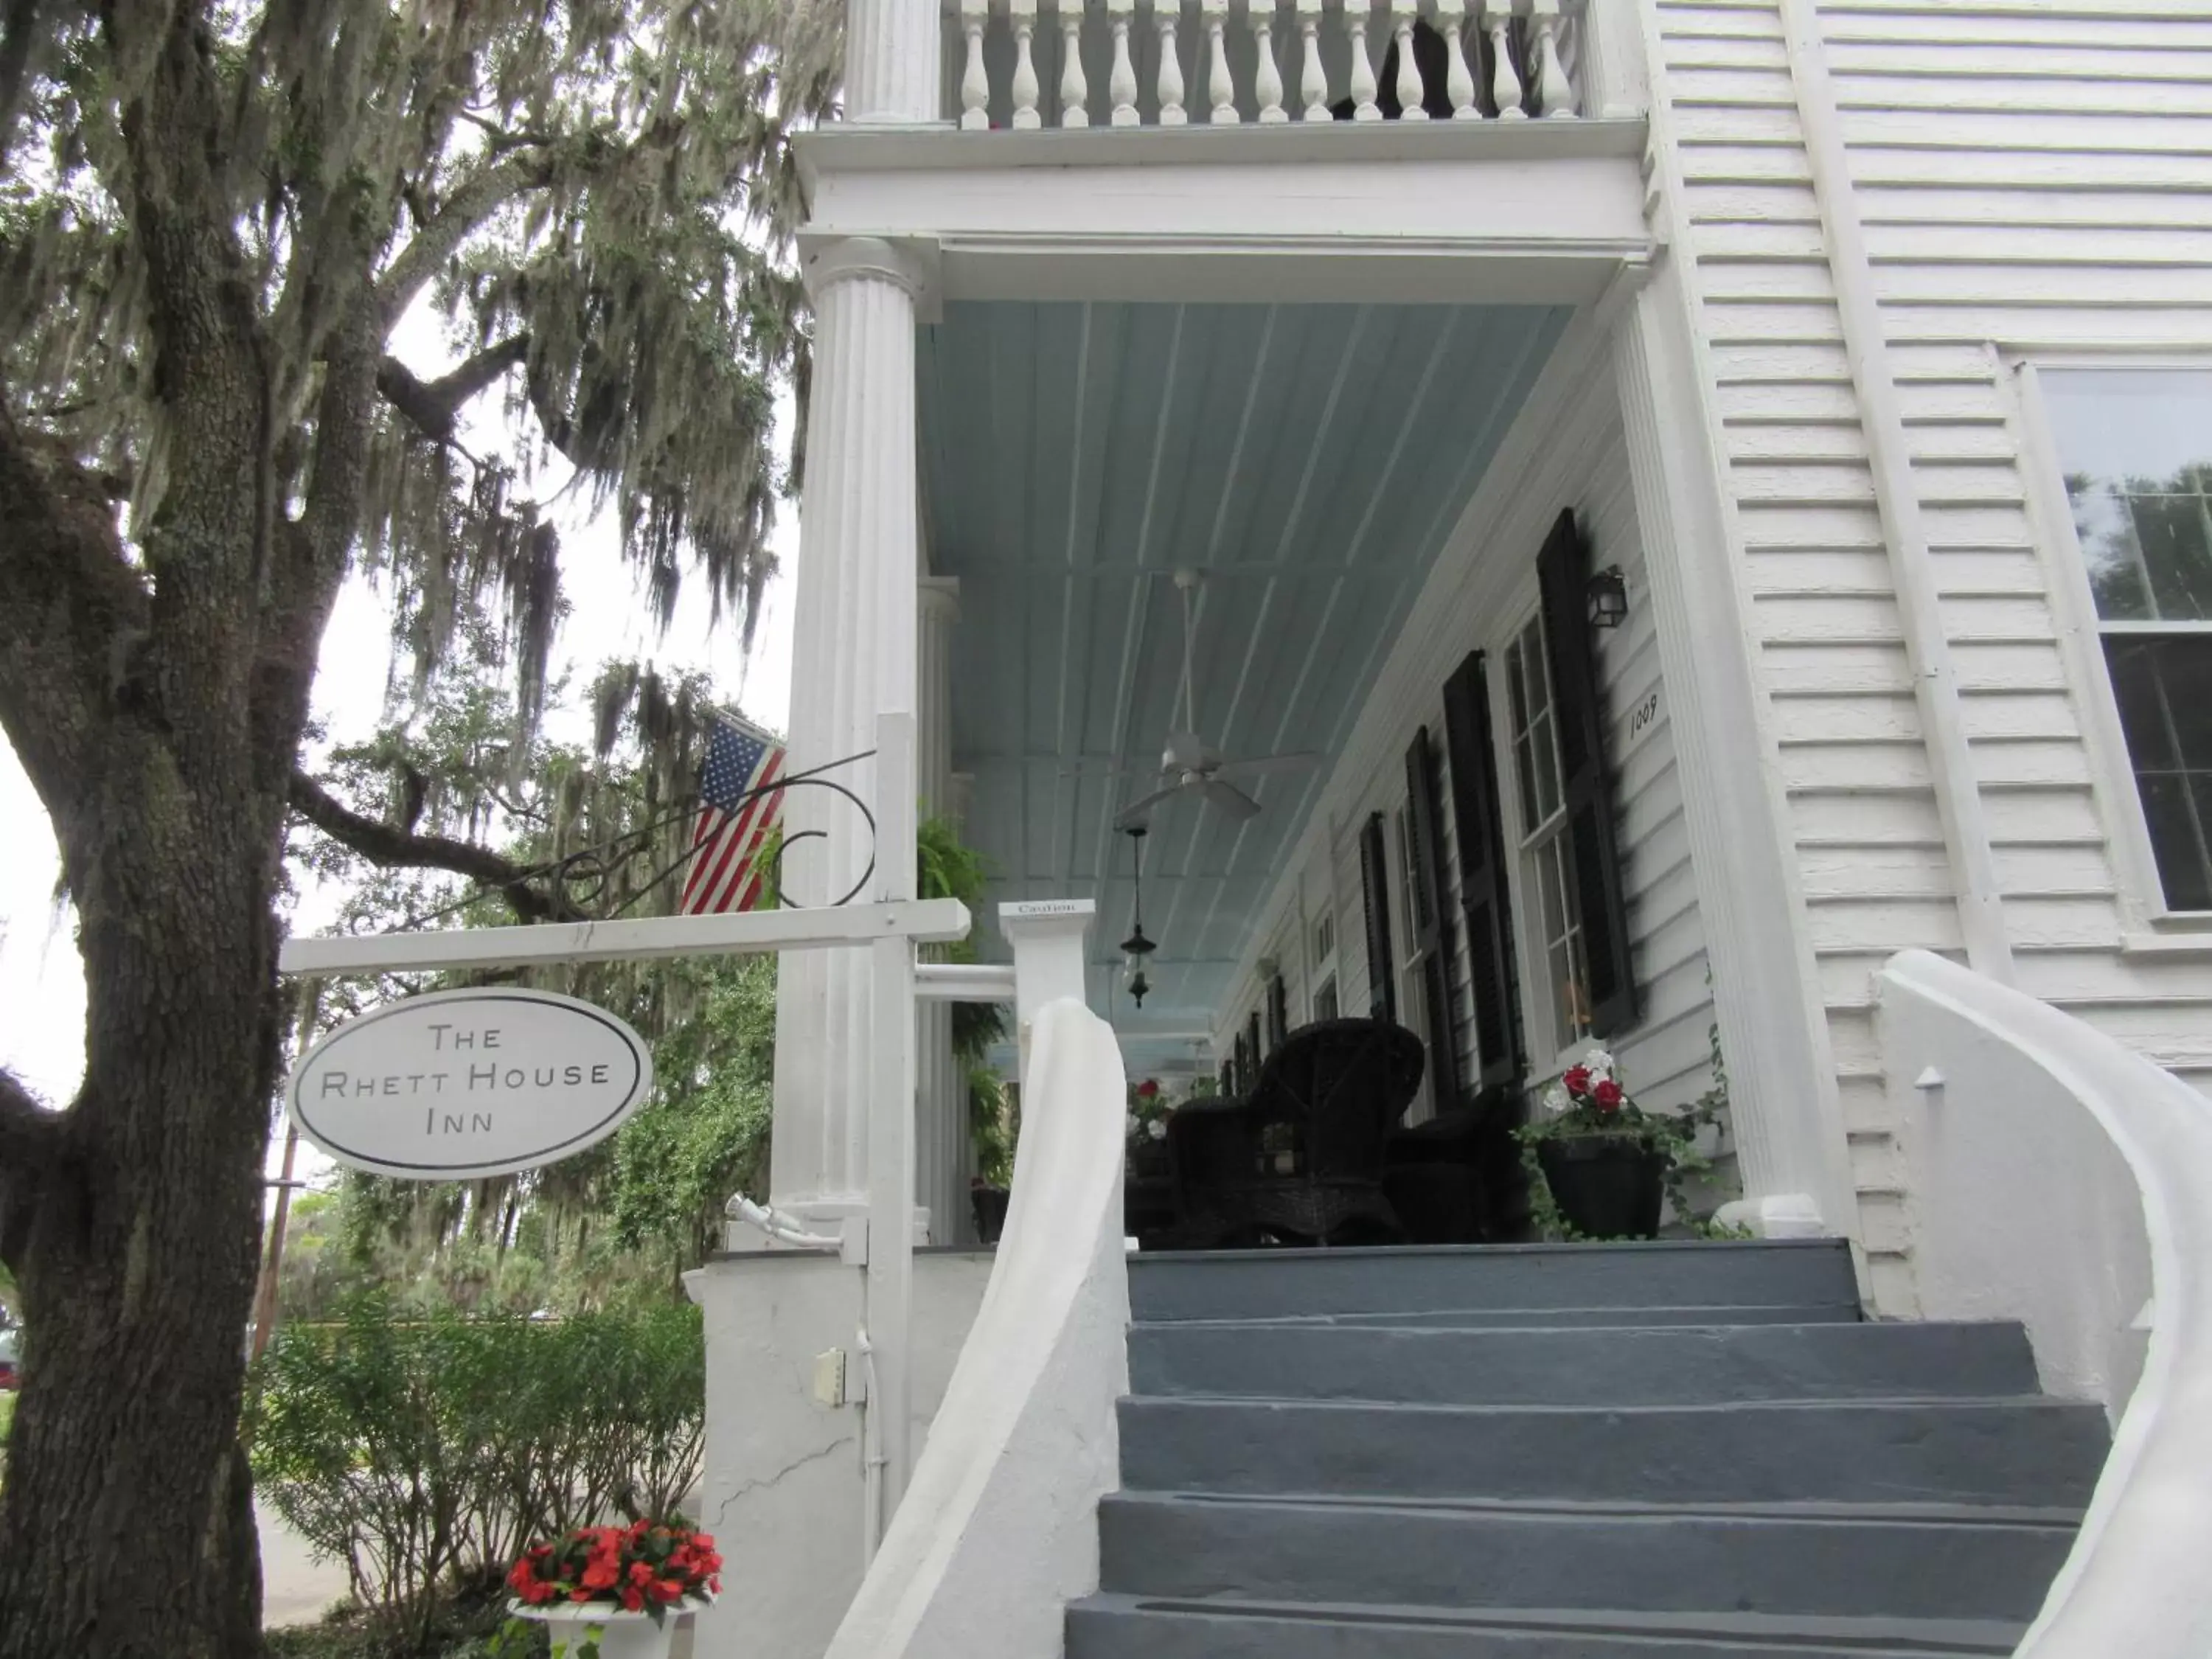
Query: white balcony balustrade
x,y
1225,62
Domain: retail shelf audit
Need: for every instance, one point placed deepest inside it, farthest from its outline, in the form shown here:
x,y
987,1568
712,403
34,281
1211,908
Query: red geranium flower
x,y
600,1574
580,1596
1148,1089
632,1601
663,1590
1577,1079
1607,1095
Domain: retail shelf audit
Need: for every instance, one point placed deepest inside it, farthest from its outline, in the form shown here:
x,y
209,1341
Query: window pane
x,y
1544,760
2106,531
2177,837
2164,688
2134,661
1563,1023
2137,448
2170,529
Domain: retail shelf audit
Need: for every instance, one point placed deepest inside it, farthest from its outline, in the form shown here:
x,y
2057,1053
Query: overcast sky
x,y
41,982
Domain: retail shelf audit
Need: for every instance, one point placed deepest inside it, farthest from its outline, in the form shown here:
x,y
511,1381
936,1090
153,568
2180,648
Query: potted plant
x,y
607,1592
1149,1112
1606,1164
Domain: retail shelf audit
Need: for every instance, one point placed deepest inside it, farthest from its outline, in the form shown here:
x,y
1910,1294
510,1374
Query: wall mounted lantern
x,y
1609,598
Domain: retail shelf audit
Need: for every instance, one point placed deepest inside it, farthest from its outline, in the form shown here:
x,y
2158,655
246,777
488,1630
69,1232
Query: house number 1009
x,y
1642,719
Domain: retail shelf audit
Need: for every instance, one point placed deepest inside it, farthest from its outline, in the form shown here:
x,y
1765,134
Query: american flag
x,y
734,820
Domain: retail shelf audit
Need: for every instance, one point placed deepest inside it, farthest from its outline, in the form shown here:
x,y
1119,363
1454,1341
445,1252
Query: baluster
x,y
1505,80
1122,85
1074,90
1403,13
1364,107
1459,81
1266,75
1220,90
1171,111
1555,95
1313,79
974,83
1025,77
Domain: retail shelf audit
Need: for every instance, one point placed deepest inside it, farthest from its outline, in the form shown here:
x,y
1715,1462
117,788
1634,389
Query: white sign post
x,y
540,1077
456,1085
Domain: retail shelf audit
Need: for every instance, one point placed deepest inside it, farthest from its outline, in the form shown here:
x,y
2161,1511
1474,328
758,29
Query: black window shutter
x,y
1252,1047
1278,1012
1563,572
1226,1082
1433,926
1485,893
1375,898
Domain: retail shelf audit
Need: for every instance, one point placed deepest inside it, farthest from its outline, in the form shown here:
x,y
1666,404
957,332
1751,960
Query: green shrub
x,y
425,1451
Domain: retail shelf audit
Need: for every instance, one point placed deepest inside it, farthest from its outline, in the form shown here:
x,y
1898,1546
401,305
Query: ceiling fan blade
x,y
1137,811
1229,798
1261,766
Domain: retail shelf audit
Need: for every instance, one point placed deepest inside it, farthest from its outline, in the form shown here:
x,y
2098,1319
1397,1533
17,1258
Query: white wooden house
x,y
1870,342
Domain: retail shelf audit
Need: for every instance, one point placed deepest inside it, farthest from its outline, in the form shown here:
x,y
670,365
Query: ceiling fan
x,y
1191,765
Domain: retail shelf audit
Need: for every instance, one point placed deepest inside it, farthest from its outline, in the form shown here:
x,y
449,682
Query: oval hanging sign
x,y
458,1084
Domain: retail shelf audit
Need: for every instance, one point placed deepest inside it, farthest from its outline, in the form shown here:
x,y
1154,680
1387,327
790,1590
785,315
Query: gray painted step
x,y
1686,1366
2026,1451
1523,1319
1873,1562
1123,1627
1277,1284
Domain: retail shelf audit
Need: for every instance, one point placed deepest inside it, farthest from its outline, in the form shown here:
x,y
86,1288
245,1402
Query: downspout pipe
x,y
1912,567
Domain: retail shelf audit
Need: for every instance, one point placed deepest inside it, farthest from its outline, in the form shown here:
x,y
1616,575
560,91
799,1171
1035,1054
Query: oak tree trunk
x,y
157,702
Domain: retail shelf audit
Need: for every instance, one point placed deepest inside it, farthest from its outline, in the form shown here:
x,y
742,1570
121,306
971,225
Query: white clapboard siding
x,y
2031,174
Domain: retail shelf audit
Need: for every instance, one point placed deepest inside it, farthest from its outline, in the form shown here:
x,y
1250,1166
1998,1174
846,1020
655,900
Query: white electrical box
x,y
829,1377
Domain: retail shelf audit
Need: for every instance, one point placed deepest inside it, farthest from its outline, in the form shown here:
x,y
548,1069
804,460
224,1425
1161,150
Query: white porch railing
x,y
1032,64
2067,1182
999,1530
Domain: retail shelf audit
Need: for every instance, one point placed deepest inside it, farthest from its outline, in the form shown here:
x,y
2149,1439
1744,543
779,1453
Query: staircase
x,y
1655,1452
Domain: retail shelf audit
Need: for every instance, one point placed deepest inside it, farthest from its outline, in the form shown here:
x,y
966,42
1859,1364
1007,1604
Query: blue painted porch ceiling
x,y
1309,459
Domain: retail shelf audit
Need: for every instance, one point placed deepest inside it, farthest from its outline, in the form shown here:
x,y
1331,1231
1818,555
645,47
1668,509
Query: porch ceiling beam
x,y
925,921
1464,225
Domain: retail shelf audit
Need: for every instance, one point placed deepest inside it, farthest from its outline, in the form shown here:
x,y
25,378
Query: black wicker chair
x,y
1322,1114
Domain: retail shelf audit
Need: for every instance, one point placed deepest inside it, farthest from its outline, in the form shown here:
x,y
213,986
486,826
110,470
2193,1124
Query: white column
x,y
854,651
894,58
940,1128
1785,1115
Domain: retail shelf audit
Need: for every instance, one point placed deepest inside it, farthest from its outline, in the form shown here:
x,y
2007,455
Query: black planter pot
x,y
1148,1160
1606,1186
990,1206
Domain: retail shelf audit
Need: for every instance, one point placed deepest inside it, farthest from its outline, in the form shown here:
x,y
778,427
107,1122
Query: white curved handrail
x,y
998,1529
2134,1586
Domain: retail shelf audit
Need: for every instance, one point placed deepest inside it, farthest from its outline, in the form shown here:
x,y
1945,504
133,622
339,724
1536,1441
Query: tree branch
x,y
72,612
433,407
30,1135
388,847
477,197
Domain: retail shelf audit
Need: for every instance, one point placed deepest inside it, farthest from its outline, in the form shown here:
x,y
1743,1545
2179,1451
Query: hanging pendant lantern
x,y
1137,948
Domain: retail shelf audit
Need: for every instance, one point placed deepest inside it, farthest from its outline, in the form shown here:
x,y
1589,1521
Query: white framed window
x,y
1324,939
2132,445
1550,912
